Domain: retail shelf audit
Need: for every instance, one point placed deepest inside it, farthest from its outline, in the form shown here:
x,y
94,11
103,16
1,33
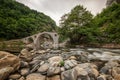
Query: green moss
x,y
62,63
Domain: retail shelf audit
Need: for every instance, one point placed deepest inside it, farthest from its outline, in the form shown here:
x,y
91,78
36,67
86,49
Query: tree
x,y
74,27
104,28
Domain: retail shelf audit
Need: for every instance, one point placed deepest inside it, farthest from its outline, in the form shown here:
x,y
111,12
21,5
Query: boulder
x,y
25,55
70,64
80,71
34,62
4,72
94,72
84,78
87,65
55,61
69,75
72,58
53,71
82,74
43,69
15,76
111,64
24,71
116,73
8,63
56,77
35,67
108,65
81,56
104,69
35,76
86,71
84,57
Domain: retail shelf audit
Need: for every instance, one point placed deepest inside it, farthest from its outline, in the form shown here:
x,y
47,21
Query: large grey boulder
x,y
70,64
82,74
77,73
69,75
108,65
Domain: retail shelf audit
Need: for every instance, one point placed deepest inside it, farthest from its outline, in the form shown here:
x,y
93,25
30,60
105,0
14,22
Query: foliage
x,y
62,63
82,28
18,21
76,26
108,22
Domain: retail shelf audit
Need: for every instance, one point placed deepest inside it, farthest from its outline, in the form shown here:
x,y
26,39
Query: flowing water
x,y
100,53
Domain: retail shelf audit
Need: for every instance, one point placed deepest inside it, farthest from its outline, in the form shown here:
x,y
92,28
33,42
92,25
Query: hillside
x,y
102,29
18,21
108,22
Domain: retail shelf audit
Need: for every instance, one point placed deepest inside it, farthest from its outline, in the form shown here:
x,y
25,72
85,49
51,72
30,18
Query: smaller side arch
x,y
28,40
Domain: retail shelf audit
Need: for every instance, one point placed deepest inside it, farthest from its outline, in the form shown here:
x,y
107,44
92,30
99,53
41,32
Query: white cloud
x,y
56,8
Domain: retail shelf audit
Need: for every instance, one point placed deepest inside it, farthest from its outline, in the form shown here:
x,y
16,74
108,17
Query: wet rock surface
x,y
72,64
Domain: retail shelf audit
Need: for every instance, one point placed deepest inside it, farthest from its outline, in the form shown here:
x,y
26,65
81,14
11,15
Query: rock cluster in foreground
x,y
8,63
65,65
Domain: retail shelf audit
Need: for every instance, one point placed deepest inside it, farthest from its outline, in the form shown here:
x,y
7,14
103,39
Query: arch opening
x,y
45,41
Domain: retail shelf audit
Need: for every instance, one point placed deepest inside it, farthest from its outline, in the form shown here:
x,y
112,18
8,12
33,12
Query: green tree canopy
x,y
74,26
81,27
18,21
108,22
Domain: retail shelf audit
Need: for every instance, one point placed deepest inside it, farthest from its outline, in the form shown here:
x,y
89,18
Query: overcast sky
x,y
56,8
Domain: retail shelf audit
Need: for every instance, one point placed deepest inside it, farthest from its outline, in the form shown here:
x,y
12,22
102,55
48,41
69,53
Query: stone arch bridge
x,y
42,40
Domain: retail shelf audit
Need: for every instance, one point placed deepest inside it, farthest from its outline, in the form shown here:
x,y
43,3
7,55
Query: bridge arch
x,y
52,35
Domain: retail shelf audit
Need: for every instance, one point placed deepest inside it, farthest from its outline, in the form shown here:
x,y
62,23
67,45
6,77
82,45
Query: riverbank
x,y
13,46
107,46
68,64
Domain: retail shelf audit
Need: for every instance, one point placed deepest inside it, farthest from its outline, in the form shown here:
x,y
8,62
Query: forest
x,y
18,21
81,27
